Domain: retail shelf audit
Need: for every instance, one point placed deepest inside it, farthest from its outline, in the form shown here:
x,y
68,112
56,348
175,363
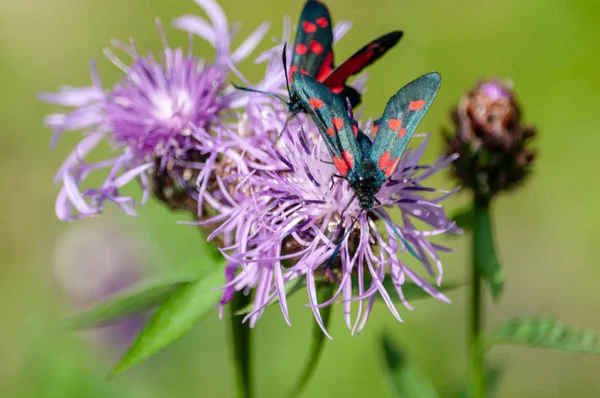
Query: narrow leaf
x,y
184,309
464,219
290,288
485,250
545,333
403,376
139,298
324,293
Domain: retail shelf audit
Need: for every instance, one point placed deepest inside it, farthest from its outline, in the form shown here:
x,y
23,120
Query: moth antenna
x,y
285,71
339,245
398,235
260,92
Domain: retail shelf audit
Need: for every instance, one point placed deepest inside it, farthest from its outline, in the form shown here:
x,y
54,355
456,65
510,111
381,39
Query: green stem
x,y
476,311
318,340
241,352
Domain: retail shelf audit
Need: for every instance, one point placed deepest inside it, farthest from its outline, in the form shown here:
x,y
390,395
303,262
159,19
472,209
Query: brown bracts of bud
x,y
491,139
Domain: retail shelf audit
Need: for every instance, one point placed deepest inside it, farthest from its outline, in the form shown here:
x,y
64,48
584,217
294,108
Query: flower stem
x,y
478,378
240,348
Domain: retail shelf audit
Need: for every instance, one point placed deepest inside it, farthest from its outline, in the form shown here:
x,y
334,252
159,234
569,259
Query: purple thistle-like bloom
x,y
162,115
279,211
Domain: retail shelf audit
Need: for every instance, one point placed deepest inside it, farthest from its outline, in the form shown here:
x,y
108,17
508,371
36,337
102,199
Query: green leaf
x,y
493,376
324,293
545,333
485,251
463,218
139,298
404,377
290,288
184,309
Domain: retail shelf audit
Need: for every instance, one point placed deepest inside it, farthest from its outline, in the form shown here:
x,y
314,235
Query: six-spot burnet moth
x,y
366,164
313,56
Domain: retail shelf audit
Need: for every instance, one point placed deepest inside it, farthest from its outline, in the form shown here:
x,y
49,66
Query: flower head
x,y
160,118
282,213
491,139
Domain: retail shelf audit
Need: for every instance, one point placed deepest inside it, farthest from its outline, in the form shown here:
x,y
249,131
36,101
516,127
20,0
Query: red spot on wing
x,y
336,89
338,123
387,164
416,105
345,163
330,131
394,124
304,71
355,130
326,68
375,129
309,27
316,47
401,133
301,48
315,103
293,69
322,22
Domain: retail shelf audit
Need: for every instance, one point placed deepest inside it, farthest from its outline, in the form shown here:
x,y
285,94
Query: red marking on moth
x,y
326,68
301,48
401,133
416,105
388,165
304,71
322,22
338,123
336,89
315,103
345,163
355,130
394,124
293,69
309,27
375,129
330,131
316,47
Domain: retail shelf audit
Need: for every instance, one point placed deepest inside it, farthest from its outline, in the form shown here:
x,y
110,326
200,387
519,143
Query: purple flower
x,y
280,216
163,115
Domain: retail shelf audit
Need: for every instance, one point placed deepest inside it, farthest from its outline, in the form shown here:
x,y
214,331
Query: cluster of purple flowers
x,y
271,203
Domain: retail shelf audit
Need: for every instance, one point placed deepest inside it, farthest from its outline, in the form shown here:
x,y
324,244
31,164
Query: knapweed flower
x,y
492,140
281,210
160,118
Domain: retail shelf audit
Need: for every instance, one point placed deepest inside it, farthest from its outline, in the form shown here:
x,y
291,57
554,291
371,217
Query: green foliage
x,y
184,309
485,251
404,377
139,298
324,293
545,333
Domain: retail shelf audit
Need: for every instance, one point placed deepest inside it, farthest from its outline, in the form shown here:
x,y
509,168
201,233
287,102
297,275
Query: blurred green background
x,y
546,230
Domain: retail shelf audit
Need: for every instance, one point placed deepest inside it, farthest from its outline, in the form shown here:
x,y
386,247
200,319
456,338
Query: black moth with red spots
x,y
313,55
366,164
